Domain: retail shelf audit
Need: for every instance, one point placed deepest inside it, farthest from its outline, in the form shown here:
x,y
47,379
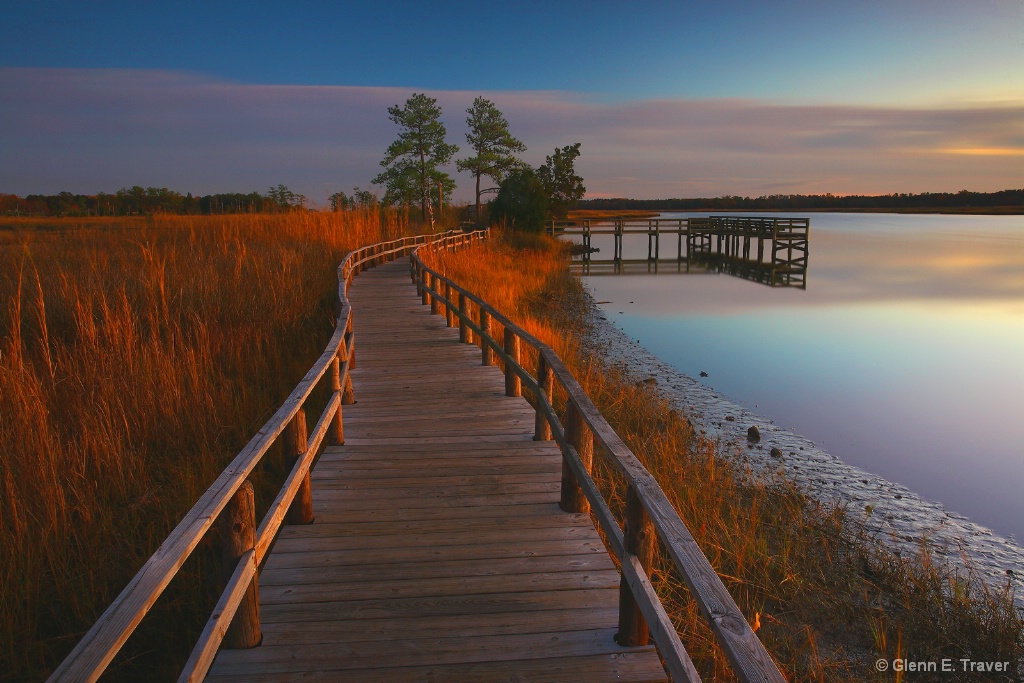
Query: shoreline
x,y
893,513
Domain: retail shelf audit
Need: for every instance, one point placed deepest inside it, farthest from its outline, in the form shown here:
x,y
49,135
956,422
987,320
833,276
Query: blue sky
x,y
669,99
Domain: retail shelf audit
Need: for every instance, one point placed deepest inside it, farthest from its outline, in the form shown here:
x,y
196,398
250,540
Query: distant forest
x,y
927,200
149,200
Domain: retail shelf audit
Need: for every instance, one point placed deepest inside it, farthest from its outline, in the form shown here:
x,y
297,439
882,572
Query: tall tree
x,y
558,176
411,163
494,147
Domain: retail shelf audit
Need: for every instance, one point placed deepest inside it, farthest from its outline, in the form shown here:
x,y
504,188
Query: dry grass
x,y
826,599
137,357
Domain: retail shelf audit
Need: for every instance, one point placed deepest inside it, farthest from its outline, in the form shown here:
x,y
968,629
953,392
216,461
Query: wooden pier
x,y
435,526
769,250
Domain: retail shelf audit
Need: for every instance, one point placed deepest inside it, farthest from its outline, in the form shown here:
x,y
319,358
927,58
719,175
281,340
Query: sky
x,y
668,99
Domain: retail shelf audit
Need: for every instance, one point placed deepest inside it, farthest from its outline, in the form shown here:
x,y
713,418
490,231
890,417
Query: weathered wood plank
x,y
437,587
481,605
419,526
474,566
374,654
453,626
370,556
626,666
433,540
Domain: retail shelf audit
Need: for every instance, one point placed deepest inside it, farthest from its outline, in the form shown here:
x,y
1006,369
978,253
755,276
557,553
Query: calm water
x,y
904,356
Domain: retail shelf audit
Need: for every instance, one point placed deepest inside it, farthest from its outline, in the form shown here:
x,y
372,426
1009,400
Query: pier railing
x,y
649,515
235,619
771,250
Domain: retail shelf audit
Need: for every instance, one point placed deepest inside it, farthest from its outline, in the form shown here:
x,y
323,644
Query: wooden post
x,y
337,430
465,334
435,302
238,536
449,309
513,384
542,429
640,539
579,437
295,441
426,287
486,352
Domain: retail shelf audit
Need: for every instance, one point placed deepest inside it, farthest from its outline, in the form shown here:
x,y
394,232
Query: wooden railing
x,y
235,619
649,516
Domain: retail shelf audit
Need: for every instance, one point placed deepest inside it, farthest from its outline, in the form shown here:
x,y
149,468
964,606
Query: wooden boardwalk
x,y
439,552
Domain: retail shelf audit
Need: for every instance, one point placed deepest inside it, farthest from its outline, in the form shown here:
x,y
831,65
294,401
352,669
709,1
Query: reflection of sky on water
x,y
904,356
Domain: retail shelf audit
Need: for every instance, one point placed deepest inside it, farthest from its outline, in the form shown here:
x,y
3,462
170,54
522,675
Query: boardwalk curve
x,y
439,551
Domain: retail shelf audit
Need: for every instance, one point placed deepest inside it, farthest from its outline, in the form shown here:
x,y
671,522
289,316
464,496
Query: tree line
x,y
149,200
925,200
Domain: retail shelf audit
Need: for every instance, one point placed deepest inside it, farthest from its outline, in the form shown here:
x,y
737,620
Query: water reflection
x,y
904,358
769,250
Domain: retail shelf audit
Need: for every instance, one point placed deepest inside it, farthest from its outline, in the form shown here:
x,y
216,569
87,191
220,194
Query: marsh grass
x,y
825,597
137,357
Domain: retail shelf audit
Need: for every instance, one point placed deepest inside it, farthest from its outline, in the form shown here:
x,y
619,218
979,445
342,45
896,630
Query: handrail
x,y
647,507
101,643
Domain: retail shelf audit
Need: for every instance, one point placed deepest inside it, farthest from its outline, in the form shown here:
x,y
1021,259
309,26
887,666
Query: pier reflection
x,y
771,251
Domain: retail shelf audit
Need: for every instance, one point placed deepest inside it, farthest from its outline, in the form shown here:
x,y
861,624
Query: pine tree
x,y
494,147
411,162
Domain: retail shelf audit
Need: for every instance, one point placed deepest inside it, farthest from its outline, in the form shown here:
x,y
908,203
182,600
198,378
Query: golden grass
x,y
826,599
136,358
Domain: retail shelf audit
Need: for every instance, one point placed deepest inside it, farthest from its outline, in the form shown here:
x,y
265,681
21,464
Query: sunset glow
x,y
806,98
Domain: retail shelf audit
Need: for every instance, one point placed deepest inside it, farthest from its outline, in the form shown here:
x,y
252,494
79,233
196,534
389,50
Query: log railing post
x,y
639,539
425,295
486,352
465,334
295,441
542,428
337,431
435,302
579,436
238,536
513,383
449,309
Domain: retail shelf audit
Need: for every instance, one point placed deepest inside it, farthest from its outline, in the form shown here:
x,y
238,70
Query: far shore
x,y
627,214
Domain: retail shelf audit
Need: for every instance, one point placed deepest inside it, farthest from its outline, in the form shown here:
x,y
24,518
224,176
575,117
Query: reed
x,y
825,597
137,357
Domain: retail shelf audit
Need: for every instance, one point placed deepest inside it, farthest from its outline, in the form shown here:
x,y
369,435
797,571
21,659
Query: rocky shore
x,y
894,513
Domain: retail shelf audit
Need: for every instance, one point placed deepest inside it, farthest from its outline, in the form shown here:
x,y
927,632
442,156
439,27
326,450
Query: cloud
x,y
88,130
